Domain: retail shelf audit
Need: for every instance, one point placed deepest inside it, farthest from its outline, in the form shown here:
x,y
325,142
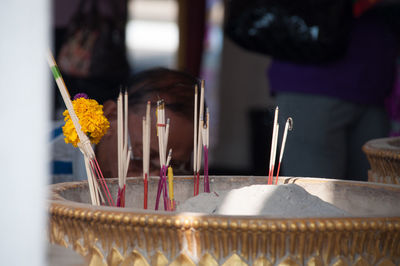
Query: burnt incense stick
x,y
288,127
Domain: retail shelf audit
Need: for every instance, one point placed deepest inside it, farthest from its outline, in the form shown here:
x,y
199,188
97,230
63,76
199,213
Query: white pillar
x,y
24,130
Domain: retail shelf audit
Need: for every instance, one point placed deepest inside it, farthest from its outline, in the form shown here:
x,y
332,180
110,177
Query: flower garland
x,y
91,118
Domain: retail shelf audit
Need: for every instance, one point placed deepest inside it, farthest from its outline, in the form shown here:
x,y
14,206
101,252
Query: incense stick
x,y
272,142
119,139
126,151
120,128
275,142
146,152
288,126
195,139
206,132
144,142
208,127
205,148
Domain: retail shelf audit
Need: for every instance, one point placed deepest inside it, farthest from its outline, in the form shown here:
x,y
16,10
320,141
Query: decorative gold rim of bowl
x,y
123,216
127,236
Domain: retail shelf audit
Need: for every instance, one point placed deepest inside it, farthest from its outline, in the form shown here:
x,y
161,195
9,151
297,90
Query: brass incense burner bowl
x,y
133,236
384,157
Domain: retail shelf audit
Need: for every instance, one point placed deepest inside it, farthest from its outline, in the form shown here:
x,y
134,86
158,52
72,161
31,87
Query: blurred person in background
x,y
337,106
176,88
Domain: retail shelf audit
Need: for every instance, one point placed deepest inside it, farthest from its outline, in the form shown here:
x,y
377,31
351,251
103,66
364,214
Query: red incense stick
x,y
94,165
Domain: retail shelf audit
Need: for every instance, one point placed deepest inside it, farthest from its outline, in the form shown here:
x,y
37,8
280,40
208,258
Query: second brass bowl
x,y
384,157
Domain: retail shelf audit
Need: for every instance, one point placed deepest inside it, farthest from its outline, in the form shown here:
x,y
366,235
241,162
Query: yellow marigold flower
x,y
91,117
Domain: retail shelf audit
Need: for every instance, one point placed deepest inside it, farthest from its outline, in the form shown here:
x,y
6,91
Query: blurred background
x,y
229,44
188,35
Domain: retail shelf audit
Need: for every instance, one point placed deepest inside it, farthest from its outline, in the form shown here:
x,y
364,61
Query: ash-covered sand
x,y
284,201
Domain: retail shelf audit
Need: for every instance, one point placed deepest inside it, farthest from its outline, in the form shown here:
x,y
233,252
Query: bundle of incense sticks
x,y
274,144
199,140
124,149
93,171
162,133
146,152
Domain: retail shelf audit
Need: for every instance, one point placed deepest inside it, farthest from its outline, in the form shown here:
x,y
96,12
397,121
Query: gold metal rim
x,y
62,208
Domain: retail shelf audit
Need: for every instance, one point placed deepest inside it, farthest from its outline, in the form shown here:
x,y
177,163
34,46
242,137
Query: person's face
x,y
180,140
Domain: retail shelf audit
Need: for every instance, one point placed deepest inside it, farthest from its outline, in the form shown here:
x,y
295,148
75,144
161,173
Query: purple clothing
x,y
365,75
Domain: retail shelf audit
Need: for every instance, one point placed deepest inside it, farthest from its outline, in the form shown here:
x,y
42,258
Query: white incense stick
x,y
199,145
273,136
144,143
162,131
148,135
125,139
208,127
195,130
158,112
119,140
275,145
